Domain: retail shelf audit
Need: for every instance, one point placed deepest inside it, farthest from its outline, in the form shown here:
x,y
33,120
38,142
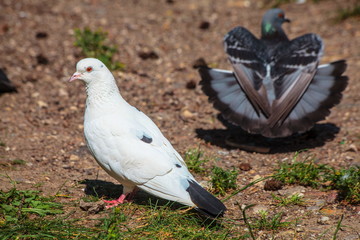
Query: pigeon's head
x,y
89,70
272,21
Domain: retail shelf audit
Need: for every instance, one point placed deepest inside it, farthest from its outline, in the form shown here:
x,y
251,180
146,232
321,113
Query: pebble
x,y
292,191
318,205
74,157
245,166
187,114
42,104
323,220
92,207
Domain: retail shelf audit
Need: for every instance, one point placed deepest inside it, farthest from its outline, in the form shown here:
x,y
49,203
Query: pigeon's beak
x,y
287,20
75,76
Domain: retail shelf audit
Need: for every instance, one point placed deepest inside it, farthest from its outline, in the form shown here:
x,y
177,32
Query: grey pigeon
x,y
277,87
131,148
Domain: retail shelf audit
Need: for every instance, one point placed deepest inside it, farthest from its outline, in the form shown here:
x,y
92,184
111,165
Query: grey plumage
x,y
277,87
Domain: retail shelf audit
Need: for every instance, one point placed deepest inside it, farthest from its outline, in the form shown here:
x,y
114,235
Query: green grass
x,y
19,204
307,173
347,182
18,162
269,222
346,13
223,180
263,221
294,199
27,215
92,44
24,214
194,159
163,222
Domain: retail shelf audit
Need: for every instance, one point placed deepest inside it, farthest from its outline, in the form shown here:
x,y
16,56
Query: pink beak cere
x,y
75,76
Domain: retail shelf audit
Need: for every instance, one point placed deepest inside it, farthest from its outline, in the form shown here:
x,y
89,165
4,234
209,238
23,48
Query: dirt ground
x,y
42,123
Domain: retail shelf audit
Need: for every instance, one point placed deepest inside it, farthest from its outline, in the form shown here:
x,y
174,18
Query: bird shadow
x,y
235,138
109,190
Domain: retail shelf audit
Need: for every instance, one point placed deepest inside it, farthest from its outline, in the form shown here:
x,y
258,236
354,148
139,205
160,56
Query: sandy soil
x,y
42,123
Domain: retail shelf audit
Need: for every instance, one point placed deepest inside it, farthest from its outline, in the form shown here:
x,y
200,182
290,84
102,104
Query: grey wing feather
x,y
246,53
324,91
229,98
295,67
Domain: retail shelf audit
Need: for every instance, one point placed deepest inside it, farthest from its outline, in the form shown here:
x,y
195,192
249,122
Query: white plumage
x,y
131,148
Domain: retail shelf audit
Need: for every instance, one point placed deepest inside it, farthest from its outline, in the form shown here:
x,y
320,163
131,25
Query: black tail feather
x,y
205,201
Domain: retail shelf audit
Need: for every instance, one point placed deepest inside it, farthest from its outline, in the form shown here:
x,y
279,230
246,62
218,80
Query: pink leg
x,y
121,199
116,202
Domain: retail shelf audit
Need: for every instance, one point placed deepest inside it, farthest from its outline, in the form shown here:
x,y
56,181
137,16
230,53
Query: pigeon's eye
x,y
89,69
281,15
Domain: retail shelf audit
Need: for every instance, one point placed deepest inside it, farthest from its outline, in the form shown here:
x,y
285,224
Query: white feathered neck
x,y
103,96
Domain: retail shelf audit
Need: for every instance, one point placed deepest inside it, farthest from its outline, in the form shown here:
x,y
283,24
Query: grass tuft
x,y
18,162
267,222
346,13
160,222
305,173
194,159
24,214
92,45
294,199
347,181
223,180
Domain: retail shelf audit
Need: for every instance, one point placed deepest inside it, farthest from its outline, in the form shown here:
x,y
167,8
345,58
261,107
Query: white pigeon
x,y
130,147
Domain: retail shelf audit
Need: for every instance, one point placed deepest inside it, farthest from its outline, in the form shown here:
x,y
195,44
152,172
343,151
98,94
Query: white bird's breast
x,y
106,139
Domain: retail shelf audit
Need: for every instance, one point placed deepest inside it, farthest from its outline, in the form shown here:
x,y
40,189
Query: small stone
x,y
92,207
323,220
74,157
191,84
187,114
352,148
318,205
42,60
35,94
292,191
204,25
245,166
273,185
41,35
4,28
42,104
148,55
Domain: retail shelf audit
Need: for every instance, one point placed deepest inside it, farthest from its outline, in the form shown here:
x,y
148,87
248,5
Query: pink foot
x,y
116,202
123,198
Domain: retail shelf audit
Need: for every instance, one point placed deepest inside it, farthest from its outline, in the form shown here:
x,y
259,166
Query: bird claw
x,y
114,203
